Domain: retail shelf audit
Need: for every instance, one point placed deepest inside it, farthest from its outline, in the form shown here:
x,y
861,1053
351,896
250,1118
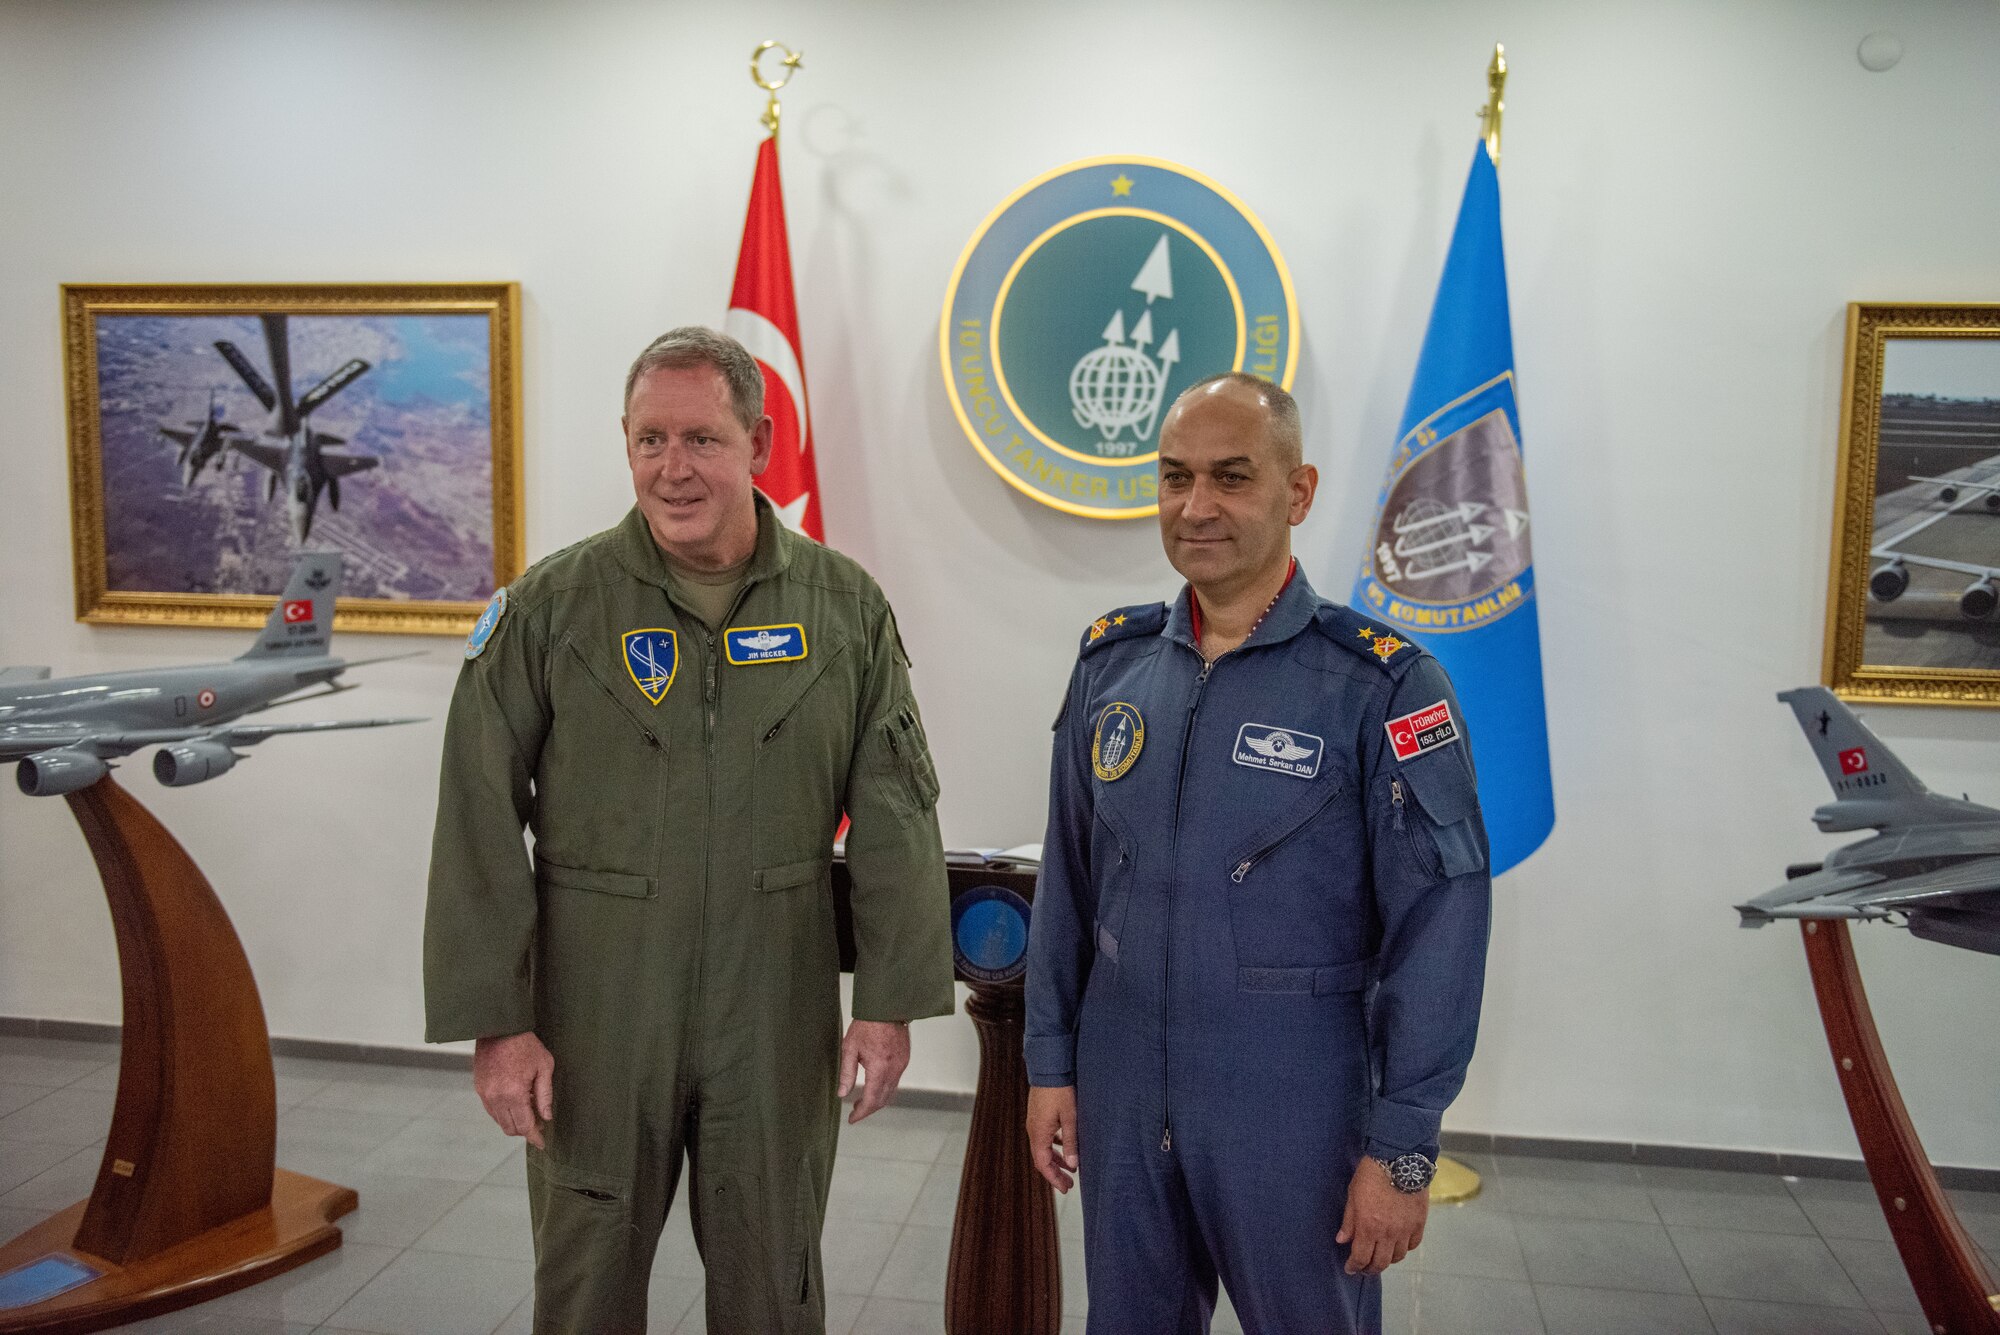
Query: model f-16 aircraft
x,y
202,441
65,731
300,463
1933,864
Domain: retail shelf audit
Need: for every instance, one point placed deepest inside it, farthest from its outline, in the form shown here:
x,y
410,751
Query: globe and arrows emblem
x,y
1085,303
1118,386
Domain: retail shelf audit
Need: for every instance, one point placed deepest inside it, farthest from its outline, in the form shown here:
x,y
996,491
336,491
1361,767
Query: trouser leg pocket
x,y
592,1257
759,1243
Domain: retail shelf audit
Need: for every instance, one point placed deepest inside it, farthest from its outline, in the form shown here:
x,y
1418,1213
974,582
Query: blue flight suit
x,y
1257,951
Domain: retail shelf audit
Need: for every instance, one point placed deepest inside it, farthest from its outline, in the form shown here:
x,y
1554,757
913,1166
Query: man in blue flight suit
x,y
1259,939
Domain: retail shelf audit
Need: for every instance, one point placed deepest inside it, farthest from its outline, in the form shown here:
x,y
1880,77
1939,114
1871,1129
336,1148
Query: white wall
x,y
1693,191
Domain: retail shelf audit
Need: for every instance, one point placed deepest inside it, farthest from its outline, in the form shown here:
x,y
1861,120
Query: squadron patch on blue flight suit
x,y
1282,750
489,621
651,655
1425,730
765,644
1115,745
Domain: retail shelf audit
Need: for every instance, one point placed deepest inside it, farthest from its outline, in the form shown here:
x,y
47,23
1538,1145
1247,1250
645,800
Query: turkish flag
x,y
1854,761
297,611
764,317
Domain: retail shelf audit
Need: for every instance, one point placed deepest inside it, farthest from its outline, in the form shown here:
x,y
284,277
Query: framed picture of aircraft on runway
x,y
216,432
1913,605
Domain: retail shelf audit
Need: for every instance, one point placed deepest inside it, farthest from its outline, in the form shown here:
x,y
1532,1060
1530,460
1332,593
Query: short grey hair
x,y
698,345
1287,433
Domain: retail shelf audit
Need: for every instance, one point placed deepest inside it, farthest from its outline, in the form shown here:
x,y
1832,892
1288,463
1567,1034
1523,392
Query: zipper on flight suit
x,y
1167,955
708,825
1242,869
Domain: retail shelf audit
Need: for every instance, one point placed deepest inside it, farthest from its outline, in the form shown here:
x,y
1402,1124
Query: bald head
x,y
1251,406
1232,484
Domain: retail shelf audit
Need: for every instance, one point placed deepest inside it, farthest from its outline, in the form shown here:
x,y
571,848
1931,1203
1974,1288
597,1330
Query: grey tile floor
x,y
440,1245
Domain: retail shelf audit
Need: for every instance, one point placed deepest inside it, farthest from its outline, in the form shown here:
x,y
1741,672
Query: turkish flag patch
x,y
300,609
1426,730
1854,761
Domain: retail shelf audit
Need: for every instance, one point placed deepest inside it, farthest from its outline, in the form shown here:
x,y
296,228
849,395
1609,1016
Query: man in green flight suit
x,y
679,709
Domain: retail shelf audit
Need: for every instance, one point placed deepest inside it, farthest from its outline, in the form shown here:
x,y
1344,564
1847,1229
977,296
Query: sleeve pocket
x,y
1450,805
600,882
916,775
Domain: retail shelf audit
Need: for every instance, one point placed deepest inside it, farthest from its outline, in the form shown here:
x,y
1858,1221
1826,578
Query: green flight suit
x,y
672,937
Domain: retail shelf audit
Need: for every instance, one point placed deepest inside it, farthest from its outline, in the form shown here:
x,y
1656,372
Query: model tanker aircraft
x,y
1950,487
65,731
1933,864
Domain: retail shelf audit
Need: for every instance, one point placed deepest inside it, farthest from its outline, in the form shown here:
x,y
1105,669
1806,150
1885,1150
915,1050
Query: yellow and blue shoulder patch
x,y
489,621
1379,644
1123,624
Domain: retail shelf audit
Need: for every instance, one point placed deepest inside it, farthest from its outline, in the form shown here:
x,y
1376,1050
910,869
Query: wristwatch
x,y
1409,1173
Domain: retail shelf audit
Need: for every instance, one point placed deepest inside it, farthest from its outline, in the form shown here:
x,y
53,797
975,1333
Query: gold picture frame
x,y
1911,597
431,443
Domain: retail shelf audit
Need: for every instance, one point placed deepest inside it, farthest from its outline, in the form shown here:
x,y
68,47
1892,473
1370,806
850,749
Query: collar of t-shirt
x,y
709,593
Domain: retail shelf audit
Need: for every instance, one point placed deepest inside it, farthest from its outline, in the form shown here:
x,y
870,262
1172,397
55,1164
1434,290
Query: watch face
x,y
1411,1173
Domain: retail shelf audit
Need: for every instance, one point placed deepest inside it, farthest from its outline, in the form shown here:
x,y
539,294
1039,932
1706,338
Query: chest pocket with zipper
x,y
602,774
1294,884
802,741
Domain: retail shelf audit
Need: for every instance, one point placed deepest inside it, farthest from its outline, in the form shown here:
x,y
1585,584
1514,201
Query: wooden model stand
x,y
1006,1267
1958,1296
1005,1274
189,1203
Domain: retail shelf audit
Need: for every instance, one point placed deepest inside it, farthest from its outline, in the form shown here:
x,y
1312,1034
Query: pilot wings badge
x,y
1283,750
765,644
650,657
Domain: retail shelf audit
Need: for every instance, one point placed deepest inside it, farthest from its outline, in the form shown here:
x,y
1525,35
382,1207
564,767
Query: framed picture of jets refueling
x,y
1913,603
215,432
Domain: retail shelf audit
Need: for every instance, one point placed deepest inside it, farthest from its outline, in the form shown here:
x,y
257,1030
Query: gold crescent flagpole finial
x,y
1489,115
789,64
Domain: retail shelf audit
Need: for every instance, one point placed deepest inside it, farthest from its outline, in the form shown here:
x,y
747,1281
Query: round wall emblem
x,y
1115,746
989,934
1091,298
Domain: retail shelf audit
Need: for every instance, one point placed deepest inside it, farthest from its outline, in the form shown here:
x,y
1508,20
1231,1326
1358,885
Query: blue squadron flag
x,y
1450,560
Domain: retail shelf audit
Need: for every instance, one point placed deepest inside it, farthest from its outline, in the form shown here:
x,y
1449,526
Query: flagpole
x,y
1454,1182
1489,115
789,64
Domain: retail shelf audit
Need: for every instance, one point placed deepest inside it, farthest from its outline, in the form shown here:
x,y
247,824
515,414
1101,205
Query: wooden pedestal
x,y
1005,1276
189,1203
1006,1269
1958,1297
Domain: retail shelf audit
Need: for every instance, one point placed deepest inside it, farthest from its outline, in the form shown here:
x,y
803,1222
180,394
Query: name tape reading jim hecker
x,y
1425,730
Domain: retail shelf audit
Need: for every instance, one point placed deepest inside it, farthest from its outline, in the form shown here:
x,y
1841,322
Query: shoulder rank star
x,y
1385,646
